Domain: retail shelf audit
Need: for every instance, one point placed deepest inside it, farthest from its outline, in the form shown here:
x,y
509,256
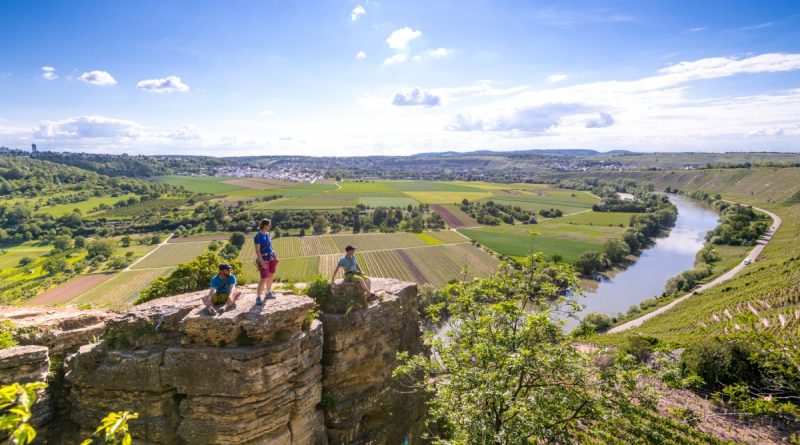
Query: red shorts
x,y
269,270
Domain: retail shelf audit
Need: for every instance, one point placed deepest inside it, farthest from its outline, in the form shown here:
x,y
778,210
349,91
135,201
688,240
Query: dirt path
x,y
776,223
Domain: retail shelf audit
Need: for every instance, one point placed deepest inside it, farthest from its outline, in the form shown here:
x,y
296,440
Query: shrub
x,y
721,363
640,346
600,322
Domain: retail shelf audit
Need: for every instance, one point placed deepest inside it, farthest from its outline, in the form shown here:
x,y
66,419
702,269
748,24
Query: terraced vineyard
x,y
171,255
296,269
121,290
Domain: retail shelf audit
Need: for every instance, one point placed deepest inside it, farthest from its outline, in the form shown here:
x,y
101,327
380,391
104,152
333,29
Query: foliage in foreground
x,y
506,373
16,405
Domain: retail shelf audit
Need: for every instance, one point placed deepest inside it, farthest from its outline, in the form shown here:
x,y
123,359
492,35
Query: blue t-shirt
x,y
263,244
348,264
223,285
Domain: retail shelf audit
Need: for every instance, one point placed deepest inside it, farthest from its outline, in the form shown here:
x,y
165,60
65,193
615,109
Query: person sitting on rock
x,y
352,271
223,290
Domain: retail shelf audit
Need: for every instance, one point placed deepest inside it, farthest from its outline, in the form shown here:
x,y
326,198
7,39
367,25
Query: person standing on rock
x,y
352,271
266,261
223,290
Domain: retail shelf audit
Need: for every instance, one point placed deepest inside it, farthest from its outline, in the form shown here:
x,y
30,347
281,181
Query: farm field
x,y
141,208
520,245
454,217
171,255
196,238
119,291
201,184
69,290
593,218
257,183
83,206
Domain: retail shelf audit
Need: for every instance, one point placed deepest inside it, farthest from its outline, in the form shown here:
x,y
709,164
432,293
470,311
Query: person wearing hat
x,y
223,290
352,271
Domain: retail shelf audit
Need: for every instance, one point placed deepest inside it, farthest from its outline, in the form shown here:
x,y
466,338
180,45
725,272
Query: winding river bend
x,y
648,276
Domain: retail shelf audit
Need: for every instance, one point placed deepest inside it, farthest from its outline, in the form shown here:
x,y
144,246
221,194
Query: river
x,y
647,277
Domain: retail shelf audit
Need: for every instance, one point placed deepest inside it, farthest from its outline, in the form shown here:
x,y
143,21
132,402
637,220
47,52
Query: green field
x,y
83,206
387,201
593,218
520,245
171,255
200,184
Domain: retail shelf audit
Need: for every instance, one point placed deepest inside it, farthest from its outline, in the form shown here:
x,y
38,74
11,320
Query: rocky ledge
x,y
254,374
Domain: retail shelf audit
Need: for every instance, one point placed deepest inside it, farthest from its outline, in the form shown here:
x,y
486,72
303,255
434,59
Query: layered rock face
x,y
249,376
363,402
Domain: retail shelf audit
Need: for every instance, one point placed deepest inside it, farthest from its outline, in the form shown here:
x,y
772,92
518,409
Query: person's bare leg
x,y
231,303
206,300
368,283
269,284
262,283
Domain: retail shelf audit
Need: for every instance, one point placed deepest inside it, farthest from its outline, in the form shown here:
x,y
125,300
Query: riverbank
x,y
752,256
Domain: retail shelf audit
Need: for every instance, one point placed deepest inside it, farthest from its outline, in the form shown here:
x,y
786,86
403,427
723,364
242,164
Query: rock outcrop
x,y
250,375
268,374
363,402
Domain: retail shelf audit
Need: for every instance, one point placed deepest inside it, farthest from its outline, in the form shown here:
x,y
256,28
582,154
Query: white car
x,y
747,261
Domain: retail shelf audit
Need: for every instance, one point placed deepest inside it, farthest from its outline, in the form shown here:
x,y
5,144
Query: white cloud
x,y
168,84
98,77
416,97
49,73
400,38
698,29
534,119
755,27
187,132
438,53
357,12
395,59
361,55
89,127
555,78
772,131
605,120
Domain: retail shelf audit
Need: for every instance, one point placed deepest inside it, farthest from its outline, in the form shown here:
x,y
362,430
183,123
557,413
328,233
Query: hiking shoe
x,y
210,311
258,301
269,296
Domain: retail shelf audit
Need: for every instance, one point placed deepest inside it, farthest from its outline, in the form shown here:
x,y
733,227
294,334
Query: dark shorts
x,y
220,297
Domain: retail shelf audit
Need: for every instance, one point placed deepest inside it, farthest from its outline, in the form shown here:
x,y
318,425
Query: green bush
x,y
190,276
7,339
721,363
640,346
600,322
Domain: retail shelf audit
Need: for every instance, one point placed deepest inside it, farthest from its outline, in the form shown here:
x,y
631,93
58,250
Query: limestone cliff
x,y
254,374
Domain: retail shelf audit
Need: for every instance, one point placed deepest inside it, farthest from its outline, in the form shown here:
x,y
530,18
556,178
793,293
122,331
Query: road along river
x,y
667,257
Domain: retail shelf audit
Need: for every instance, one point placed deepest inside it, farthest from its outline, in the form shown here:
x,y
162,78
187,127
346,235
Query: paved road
x,y
720,279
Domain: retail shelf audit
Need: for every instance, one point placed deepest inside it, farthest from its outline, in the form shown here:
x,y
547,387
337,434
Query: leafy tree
x,y
505,372
591,262
62,243
54,264
103,247
616,250
320,225
126,241
237,239
113,430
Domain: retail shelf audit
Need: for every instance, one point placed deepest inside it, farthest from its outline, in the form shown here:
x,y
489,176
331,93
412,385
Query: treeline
x,y
656,213
137,166
491,213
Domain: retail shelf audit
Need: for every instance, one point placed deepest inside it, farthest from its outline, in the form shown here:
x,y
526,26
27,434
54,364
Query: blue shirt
x,y
348,264
263,244
223,285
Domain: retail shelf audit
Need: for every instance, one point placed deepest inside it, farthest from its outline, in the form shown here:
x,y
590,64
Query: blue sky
x,y
399,77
